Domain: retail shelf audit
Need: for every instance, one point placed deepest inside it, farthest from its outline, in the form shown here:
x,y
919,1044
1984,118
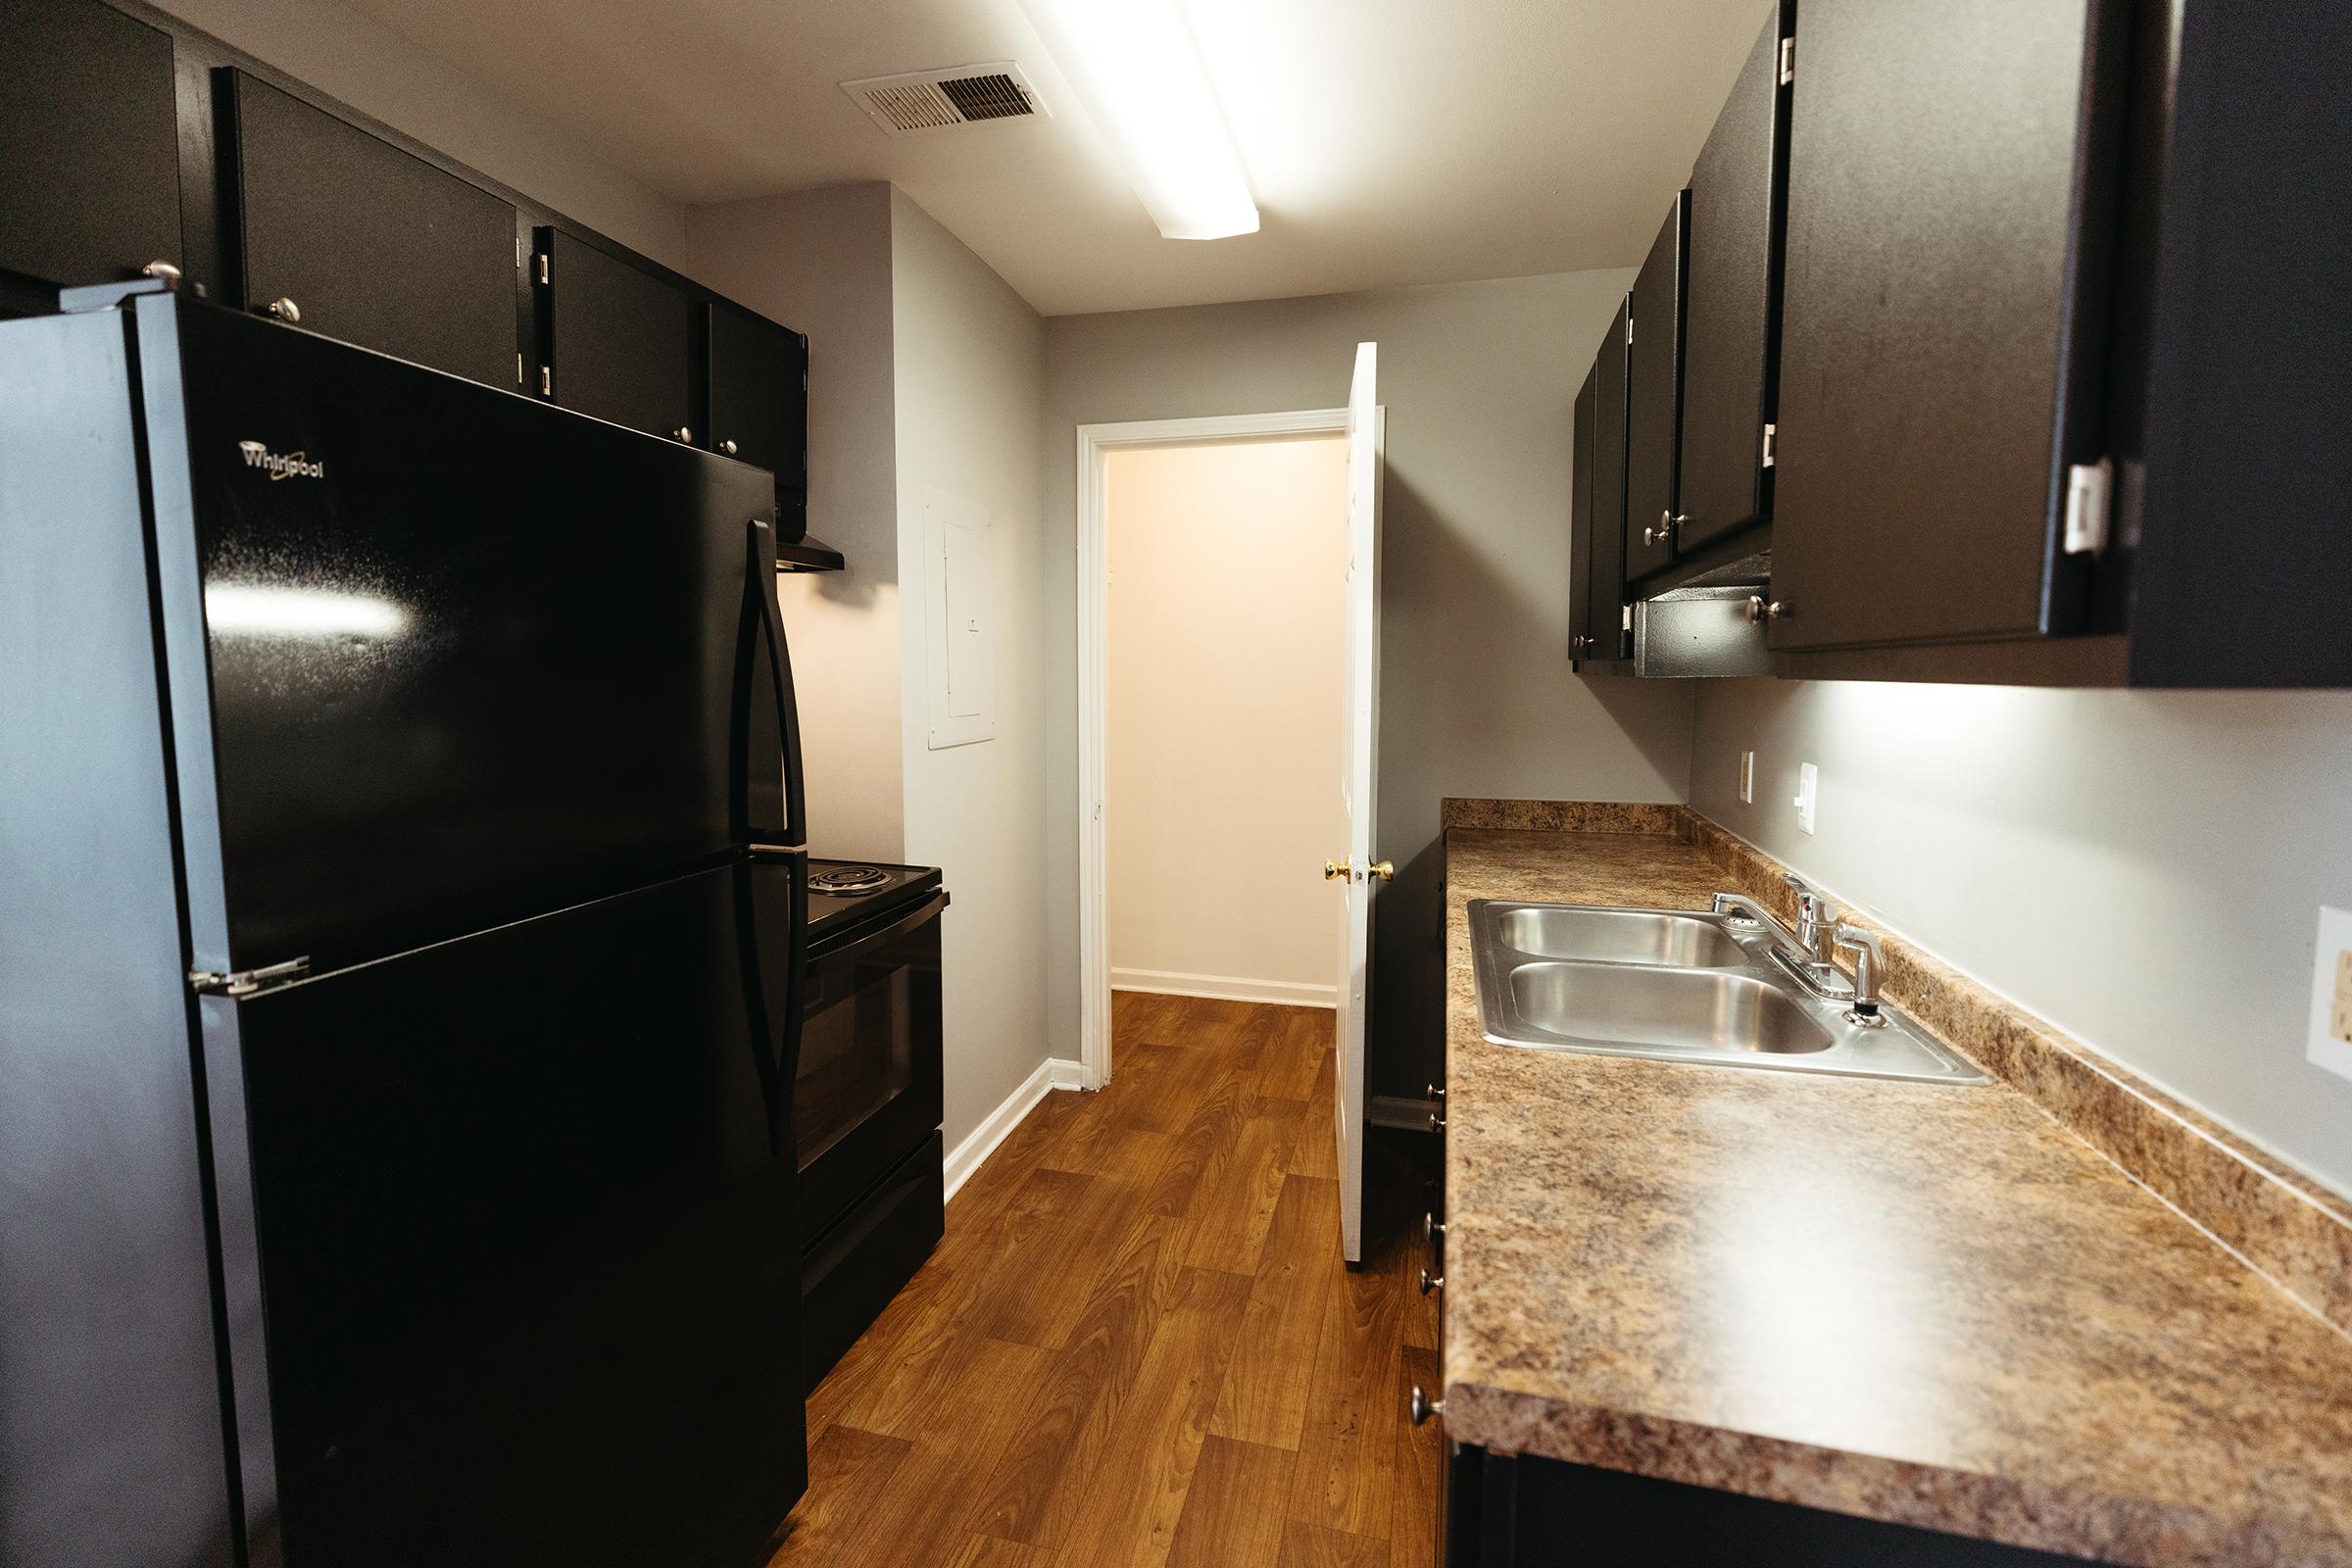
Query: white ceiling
x,y
1388,141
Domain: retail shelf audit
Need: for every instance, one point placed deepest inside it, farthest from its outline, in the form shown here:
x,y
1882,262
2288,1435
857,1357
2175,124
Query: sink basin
x,y
1674,986
1671,1011
1621,936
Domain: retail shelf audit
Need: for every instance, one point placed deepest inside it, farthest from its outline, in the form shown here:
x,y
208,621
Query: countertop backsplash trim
x,y
2296,1233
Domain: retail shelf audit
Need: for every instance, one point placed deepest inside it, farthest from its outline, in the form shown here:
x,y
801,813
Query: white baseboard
x,y
1399,1111
1055,1073
1226,987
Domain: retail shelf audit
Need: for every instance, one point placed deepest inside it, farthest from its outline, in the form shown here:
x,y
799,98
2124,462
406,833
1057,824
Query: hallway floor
x,y
1137,1343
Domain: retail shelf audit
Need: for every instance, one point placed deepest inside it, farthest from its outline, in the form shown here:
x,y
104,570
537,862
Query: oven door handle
x,y
873,939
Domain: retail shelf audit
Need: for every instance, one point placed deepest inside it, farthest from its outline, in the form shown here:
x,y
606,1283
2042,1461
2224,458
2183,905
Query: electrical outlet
x,y
1747,778
2331,994
1808,796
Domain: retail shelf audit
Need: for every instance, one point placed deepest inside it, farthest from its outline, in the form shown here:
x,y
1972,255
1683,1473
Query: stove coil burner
x,y
845,879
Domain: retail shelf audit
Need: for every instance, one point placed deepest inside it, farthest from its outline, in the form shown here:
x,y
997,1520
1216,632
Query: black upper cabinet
x,y
1653,397
1731,329
619,339
89,145
372,244
1951,180
1605,601
759,382
1580,521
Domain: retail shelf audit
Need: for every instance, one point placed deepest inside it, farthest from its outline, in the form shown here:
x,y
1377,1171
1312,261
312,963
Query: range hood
x,y
808,554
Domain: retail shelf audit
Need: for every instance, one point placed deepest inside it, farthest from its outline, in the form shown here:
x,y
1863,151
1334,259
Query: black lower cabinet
x,y
1519,1511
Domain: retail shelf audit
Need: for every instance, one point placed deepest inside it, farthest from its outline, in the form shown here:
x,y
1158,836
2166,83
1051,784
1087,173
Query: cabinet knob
x,y
1758,610
1431,1281
163,269
1422,1406
728,447
285,310
682,433
1434,1091
1431,1227
1579,643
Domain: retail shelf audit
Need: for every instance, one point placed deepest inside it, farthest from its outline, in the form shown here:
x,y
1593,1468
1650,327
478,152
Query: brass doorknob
x,y
1386,871
1335,868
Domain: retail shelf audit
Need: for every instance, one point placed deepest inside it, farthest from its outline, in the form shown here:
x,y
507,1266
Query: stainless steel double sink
x,y
1674,986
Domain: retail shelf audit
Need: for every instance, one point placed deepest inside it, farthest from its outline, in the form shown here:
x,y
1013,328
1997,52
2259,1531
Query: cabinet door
x,y
1580,521
1730,328
759,392
375,245
88,142
619,340
1653,397
1607,598
1951,184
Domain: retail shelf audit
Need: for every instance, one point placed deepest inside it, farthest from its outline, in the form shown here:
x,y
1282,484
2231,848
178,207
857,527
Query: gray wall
x,y
2144,870
969,374
1476,698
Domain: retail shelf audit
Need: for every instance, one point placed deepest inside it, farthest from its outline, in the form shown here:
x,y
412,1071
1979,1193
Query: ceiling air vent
x,y
935,100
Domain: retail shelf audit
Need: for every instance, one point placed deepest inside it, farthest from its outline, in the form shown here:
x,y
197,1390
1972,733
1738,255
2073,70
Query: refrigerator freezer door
x,y
525,1240
468,658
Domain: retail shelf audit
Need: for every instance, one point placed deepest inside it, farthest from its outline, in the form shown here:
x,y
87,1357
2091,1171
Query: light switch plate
x,y
2331,994
1747,778
1808,796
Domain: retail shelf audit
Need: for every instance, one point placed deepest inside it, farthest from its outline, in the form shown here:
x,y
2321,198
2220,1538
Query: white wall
x,y
2144,870
380,74
820,261
969,358
1226,633
1476,698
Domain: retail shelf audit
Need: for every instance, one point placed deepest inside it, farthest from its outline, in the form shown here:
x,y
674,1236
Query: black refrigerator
x,y
402,894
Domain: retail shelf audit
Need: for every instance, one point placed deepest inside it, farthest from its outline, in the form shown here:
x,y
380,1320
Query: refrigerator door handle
x,y
759,573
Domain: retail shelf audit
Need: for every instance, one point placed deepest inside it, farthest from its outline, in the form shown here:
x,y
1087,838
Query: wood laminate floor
x,y
1137,1345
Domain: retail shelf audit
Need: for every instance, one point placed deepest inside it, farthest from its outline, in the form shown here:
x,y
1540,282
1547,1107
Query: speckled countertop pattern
x,y
1919,1303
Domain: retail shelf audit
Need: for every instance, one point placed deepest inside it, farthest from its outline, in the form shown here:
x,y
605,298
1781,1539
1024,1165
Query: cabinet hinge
x,y
1628,331
243,983
518,366
542,277
2088,489
547,381
1770,431
1788,60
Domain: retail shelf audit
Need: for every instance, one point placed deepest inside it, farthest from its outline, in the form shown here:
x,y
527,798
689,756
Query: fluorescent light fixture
x,y
314,614
1138,74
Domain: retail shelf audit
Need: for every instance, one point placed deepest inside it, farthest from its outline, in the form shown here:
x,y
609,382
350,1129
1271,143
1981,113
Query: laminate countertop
x,y
1921,1302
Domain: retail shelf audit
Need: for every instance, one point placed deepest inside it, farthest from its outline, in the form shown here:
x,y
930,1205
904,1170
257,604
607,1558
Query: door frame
x,y
1096,443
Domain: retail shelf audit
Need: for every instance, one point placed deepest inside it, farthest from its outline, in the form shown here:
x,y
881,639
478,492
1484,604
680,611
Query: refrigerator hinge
x,y
2087,488
1770,431
1788,60
249,982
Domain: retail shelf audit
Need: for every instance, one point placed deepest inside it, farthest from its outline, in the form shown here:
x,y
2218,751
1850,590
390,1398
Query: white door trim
x,y
1096,443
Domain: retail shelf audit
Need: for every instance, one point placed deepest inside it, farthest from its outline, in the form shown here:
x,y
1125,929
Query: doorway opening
x,y
1211,733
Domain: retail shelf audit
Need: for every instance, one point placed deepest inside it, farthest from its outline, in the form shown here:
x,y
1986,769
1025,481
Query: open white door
x,y
1360,733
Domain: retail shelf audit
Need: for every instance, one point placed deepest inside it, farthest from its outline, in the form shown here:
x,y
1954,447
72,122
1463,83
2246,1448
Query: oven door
x,y
867,1089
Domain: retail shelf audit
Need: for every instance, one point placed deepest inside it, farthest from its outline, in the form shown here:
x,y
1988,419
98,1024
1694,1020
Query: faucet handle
x,y
1870,968
1811,906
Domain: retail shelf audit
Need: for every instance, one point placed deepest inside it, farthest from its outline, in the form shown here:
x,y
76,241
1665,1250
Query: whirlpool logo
x,y
281,466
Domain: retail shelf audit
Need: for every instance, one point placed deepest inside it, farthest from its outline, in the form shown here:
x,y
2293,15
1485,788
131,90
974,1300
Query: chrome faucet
x,y
1805,952
1870,971
1816,921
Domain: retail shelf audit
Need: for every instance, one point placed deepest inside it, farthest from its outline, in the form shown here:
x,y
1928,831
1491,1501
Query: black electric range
x,y
843,894
866,1095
